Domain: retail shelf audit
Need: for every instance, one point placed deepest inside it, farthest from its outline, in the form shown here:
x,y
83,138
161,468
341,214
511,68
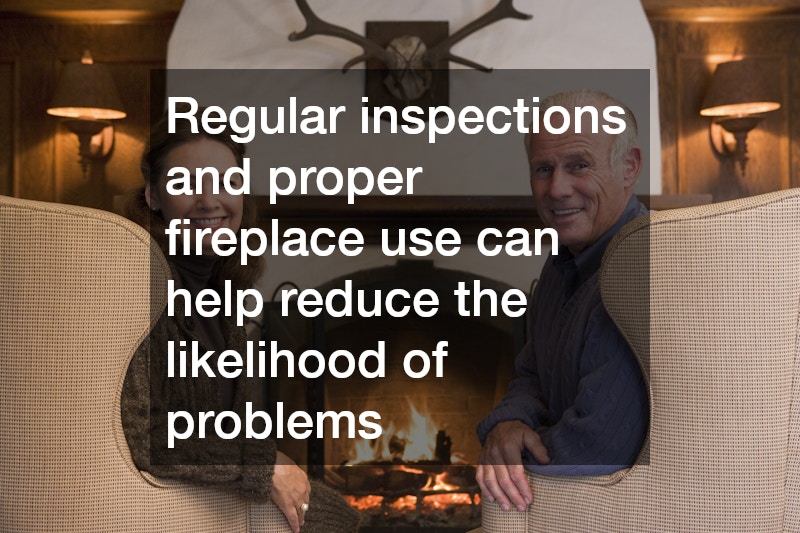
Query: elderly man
x,y
578,405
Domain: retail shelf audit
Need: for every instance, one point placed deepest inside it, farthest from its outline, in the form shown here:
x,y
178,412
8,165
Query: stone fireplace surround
x,y
480,349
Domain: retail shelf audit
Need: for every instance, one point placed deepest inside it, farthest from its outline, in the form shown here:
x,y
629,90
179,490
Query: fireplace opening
x,y
420,473
410,476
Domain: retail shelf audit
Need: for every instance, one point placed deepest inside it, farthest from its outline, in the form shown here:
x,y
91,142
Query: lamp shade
x,y
740,88
86,90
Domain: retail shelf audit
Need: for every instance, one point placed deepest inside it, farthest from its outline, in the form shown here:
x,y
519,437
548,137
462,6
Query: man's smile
x,y
566,212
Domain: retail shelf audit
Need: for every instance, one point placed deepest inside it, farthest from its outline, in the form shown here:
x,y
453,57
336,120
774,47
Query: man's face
x,y
577,191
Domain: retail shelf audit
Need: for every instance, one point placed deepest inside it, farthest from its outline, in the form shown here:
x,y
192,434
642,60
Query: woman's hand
x,y
290,490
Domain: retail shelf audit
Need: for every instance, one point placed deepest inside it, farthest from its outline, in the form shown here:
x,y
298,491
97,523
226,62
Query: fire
x,y
414,443
438,483
409,503
363,502
441,501
402,469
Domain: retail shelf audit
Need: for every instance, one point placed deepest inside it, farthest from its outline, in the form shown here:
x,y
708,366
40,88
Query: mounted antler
x,y
317,26
504,9
409,60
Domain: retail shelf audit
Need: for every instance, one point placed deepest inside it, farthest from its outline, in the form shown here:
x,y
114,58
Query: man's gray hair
x,y
622,142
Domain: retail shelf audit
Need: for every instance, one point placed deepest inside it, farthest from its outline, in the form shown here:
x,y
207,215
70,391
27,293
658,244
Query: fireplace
x,y
410,477
420,474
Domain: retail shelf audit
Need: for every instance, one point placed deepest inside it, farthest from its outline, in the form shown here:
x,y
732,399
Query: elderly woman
x,y
252,468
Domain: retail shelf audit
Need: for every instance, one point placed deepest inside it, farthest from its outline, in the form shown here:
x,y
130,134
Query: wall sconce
x,y
738,91
87,97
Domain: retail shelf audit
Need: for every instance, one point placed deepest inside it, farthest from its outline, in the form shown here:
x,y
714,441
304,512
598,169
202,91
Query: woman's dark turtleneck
x,y
195,272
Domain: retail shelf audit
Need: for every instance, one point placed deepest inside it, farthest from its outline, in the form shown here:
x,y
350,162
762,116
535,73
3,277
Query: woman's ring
x,y
304,507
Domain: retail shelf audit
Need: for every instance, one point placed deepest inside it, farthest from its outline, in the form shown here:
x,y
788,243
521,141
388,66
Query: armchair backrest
x,y
75,302
709,299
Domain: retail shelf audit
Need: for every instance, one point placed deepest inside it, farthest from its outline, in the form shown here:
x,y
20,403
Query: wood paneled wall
x,y
38,156
690,43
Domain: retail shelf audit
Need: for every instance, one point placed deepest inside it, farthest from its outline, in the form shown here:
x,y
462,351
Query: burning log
x,y
386,478
362,478
404,480
397,447
462,476
334,479
407,478
443,445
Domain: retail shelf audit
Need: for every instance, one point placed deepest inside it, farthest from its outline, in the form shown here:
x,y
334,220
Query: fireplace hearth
x,y
394,492
413,495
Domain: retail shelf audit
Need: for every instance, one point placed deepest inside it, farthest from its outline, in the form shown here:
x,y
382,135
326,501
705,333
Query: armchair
x,y
708,298
75,286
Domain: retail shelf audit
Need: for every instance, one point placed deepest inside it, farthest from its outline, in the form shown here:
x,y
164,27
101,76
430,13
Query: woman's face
x,y
206,210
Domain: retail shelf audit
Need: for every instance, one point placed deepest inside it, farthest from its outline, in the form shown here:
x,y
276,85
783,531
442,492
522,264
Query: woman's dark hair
x,y
153,167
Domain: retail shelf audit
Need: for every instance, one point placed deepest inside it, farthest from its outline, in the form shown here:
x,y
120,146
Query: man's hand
x,y
290,490
501,474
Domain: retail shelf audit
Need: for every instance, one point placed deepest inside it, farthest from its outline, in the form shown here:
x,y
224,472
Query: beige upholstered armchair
x,y
74,305
719,346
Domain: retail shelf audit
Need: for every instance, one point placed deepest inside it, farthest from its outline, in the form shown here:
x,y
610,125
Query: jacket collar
x,y
587,262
